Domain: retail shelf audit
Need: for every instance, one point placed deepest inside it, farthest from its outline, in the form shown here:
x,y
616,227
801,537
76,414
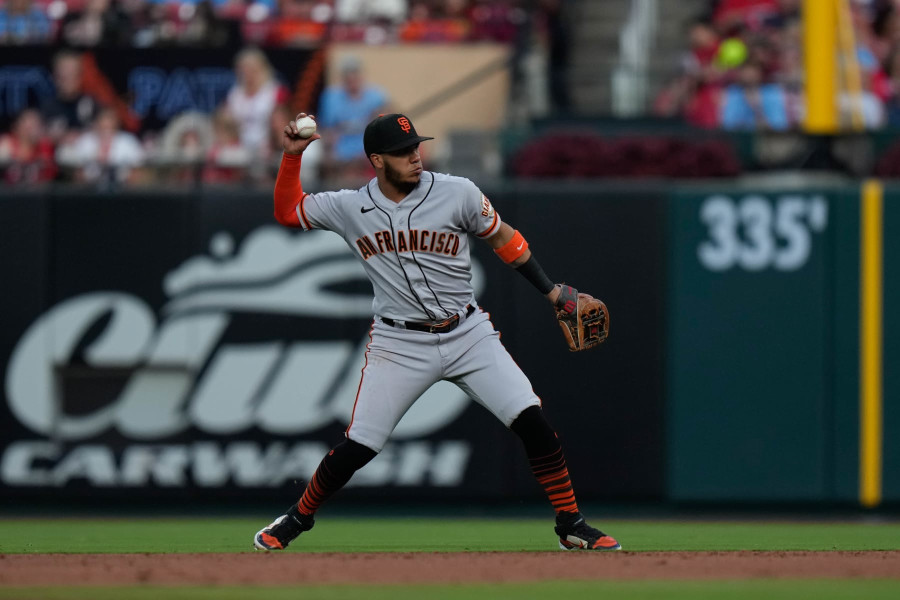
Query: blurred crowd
x,y
84,130
744,67
83,133
146,23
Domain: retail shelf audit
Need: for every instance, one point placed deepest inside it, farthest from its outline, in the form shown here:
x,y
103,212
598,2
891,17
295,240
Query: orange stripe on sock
x,y
566,508
549,477
554,479
304,508
565,502
562,496
553,488
543,471
553,475
541,458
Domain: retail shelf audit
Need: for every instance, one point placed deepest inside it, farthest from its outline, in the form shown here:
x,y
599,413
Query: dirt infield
x,y
289,568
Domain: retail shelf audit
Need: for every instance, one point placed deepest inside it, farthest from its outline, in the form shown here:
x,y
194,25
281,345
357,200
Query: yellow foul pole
x,y
820,59
871,328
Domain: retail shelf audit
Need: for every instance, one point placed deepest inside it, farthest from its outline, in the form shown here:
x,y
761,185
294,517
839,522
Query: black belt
x,y
445,326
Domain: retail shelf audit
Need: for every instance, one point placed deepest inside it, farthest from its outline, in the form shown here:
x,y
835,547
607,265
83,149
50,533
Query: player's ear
x,y
377,161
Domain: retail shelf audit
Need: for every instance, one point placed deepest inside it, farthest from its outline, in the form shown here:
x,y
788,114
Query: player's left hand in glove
x,y
584,320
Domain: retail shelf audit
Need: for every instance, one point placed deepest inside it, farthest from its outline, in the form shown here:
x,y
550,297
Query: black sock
x,y
546,458
333,473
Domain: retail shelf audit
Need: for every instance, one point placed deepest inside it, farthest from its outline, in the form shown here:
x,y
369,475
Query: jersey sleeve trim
x,y
495,226
301,214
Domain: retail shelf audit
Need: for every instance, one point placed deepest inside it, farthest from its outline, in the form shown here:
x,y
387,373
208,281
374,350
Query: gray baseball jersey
x,y
415,252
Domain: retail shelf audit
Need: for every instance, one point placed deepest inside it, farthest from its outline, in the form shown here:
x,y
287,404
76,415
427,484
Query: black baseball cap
x,y
389,133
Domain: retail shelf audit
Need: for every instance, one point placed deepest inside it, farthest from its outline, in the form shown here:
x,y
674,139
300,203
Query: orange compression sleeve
x,y
512,249
288,190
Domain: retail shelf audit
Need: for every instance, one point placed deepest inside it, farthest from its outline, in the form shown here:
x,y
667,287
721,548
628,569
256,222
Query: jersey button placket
x,y
402,221
407,262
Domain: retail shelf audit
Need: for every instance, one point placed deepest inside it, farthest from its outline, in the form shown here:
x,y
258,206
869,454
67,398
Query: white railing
x,y
630,79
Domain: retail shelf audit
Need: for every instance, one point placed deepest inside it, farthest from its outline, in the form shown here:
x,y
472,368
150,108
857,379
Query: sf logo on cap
x,y
404,124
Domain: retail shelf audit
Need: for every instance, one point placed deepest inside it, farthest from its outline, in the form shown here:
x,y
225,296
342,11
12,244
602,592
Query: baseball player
x,y
410,230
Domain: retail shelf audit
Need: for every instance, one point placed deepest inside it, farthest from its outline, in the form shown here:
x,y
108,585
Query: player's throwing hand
x,y
291,140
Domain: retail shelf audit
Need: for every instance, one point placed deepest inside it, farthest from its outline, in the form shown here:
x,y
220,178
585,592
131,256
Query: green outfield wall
x,y
782,369
891,465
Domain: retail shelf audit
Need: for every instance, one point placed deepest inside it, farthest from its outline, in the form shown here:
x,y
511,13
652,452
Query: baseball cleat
x,y
575,534
283,530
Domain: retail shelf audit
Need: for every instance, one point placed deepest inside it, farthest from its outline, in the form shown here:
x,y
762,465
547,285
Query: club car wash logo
x,y
181,371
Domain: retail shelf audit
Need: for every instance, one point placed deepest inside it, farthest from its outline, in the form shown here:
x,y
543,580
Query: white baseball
x,y
306,126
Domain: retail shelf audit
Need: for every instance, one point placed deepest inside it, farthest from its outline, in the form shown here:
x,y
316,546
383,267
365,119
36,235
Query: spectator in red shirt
x,y
227,160
694,95
26,152
752,14
495,20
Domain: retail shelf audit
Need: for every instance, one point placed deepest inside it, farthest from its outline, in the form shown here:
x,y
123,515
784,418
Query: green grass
x,y
625,590
429,535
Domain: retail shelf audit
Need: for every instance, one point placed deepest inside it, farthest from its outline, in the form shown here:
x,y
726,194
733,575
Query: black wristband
x,y
532,271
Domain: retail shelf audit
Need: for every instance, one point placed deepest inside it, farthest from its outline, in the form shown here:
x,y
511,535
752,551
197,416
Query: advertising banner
x,y
181,346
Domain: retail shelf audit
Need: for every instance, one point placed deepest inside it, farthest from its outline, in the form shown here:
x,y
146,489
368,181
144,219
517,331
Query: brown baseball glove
x,y
584,320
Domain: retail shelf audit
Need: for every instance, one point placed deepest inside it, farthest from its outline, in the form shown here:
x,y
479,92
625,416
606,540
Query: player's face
x,y
403,168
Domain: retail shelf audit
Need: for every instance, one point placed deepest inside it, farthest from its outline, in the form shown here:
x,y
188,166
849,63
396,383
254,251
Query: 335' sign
x,y
755,233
